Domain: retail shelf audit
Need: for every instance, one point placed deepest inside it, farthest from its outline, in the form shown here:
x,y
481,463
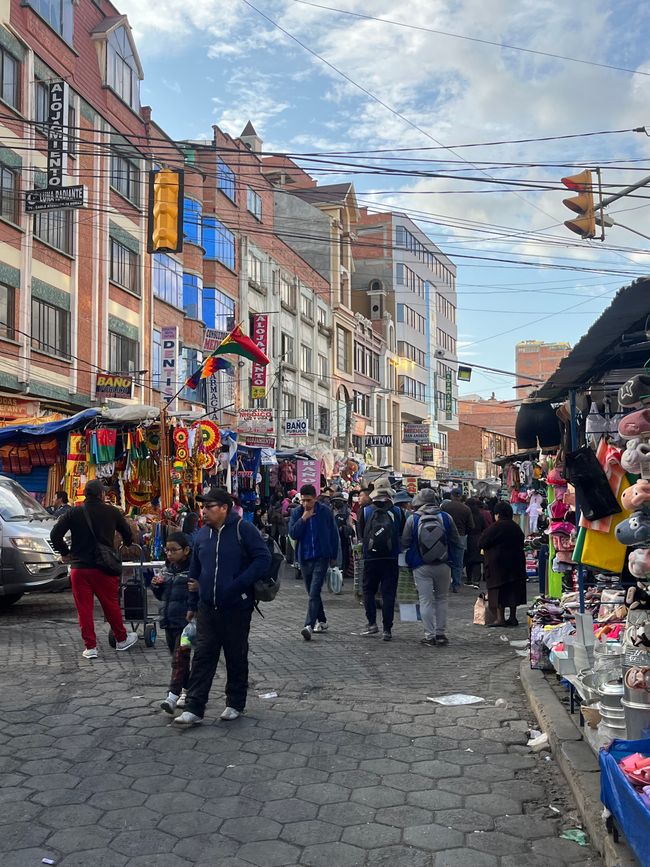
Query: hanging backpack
x,y
266,589
379,532
431,535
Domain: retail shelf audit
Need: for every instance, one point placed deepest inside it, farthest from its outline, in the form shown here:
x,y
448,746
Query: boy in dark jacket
x,y
170,587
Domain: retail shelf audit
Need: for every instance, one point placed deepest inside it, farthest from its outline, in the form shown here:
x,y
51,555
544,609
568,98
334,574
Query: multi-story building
x,y
473,448
402,274
535,362
490,413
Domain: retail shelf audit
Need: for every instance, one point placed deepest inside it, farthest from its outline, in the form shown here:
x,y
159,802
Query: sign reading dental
x,y
296,427
169,340
111,385
260,338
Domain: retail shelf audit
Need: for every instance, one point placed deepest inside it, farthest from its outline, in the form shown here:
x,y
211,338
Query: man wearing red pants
x,y
92,522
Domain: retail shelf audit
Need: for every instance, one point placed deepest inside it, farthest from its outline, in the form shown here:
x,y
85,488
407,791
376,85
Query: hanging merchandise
x,y
591,484
537,425
209,433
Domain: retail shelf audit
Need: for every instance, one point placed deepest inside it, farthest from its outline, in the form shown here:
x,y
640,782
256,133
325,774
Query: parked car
x,y
28,562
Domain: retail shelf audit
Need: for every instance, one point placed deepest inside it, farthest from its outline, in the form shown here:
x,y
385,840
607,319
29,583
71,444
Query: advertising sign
x,y
426,453
258,441
112,385
213,398
449,386
255,421
55,150
415,433
308,474
54,198
296,427
169,340
260,338
212,338
375,441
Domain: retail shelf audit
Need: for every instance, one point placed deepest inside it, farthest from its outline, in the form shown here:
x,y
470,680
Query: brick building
x,y
537,360
490,413
472,448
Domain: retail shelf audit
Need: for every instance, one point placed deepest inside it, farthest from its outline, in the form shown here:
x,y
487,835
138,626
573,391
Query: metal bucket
x,y
611,694
637,719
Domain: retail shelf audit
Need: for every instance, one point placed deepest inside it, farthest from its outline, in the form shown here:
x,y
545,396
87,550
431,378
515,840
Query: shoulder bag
x,y
106,557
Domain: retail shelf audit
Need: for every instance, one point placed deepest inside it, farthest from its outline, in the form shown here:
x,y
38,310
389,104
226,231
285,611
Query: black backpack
x,y
266,589
379,532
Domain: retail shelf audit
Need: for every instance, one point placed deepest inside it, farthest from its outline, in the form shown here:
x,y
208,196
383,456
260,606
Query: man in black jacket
x,y
86,579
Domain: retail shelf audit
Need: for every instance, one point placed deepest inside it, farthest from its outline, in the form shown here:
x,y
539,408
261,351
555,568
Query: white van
x,y
27,560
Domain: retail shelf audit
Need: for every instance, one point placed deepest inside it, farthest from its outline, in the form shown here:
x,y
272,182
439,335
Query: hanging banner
x,y
260,337
213,398
296,427
308,474
426,453
449,386
55,149
169,340
255,421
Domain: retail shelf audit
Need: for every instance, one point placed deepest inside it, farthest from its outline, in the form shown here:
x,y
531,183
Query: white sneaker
x,y
188,719
90,653
182,699
230,714
129,641
169,704
320,627
306,632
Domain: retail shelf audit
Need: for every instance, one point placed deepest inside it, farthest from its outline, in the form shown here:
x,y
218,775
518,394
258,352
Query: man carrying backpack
x,y
432,546
380,527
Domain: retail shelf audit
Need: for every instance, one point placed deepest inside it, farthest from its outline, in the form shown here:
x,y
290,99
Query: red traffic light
x,y
581,183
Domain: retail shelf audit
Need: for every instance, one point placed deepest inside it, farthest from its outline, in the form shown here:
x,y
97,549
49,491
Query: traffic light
x,y
583,204
165,233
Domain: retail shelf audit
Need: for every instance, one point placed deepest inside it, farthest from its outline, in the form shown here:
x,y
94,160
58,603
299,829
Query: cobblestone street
x,y
349,765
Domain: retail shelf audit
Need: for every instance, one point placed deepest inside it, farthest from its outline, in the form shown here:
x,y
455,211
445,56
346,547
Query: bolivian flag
x,y
237,343
212,364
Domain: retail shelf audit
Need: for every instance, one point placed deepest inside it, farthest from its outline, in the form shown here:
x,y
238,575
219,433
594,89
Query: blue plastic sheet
x,y
620,798
53,428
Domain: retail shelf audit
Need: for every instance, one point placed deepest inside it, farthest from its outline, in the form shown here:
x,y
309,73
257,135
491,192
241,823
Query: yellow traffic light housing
x,y
583,204
165,233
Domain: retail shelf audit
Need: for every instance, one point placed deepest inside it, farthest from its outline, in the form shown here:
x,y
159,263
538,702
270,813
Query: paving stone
x,y
103,783
72,840
204,847
464,820
527,827
326,855
249,773
433,837
166,860
495,773
231,808
21,835
495,843
117,800
346,814
494,805
565,851
174,802
354,779
522,790
371,835
403,816
465,786
270,853
332,763
384,766
465,858
51,781
302,776
128,819
323,793
290,810
247,831
434,799
70,816
273,791
400,856
279,761
143,842
60,797
96,857
26,857
44,766
310,832
436,770
21,811
378,796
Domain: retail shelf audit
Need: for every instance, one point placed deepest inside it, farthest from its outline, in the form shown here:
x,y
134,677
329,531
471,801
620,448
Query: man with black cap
x,y
228,557
92,523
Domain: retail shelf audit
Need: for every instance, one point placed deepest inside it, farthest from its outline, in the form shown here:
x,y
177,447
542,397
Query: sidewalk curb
x,y
577,762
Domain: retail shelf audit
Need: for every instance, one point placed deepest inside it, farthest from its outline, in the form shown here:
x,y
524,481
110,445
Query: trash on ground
x,y
469,750
576,835
523,642
547,758
523,653
539,743
456,698
48,861
555,809
504,638
501,702
268,695
534,733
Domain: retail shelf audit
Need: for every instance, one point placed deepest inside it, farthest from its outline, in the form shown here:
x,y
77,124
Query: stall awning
x,y
617,339
52,429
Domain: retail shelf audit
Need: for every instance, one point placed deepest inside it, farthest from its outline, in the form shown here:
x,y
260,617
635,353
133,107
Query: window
x,y
412,388
125,177
307,307
288,405
361,403
168,279
9,194
57,13
218,310
7,302
323,420
254,204
322,316
307,411
446,341
359,358
443,441
323,367
9,78
72,131
125,267
41,105
156,359
218,242
192,295
121,68
50,328
343,349
409,317
287,293
55,229
445,307
287,348
407,350
192,221
225,179
122,353
255,269
305,359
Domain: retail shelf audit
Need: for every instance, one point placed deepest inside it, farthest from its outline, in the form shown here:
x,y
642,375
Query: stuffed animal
x,y
639,563
638,597
636,453
636,496
635,530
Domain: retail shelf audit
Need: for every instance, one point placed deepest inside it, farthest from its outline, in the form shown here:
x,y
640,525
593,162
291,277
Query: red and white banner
x,y
308,474
260,338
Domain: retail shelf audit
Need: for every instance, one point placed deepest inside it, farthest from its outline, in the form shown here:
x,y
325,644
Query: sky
x,y
317,81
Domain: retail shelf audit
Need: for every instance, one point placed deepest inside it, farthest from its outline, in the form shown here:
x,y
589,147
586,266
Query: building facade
x,y
535,362
473,448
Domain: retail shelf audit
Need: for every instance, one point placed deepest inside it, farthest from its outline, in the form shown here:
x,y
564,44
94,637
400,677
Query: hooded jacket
x,y
174,595
226,563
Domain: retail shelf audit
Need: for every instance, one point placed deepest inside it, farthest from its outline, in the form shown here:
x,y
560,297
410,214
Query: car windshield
x,y
16,503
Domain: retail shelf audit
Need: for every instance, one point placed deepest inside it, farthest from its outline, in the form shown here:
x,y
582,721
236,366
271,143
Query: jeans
x,y
314,573
432,581
384,574
457,565
227,629
180,660
88,583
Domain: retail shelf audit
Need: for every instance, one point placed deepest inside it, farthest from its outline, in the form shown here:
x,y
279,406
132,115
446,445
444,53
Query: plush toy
x,y
635,530
638,597
636,453
639,563
636,496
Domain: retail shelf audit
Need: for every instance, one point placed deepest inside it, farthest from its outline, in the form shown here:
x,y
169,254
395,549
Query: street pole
x,y
278,405
347,443
642,183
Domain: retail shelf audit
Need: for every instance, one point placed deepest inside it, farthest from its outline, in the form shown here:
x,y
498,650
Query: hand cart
x,y
134,600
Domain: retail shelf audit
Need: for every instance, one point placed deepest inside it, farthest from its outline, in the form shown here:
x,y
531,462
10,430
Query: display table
x,y
629,815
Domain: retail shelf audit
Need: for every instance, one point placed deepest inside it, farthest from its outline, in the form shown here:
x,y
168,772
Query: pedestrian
x,y
313,528
380,527
473,557
486,512
61,504
171,586
93,524
505,566
343,519
228,557
404,501
464,523
430,539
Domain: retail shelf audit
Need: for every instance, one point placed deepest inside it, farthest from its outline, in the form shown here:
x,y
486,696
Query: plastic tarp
x,y
631,815
53,428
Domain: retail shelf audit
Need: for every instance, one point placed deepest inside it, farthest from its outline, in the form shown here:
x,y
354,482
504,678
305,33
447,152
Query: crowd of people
x,y
210,571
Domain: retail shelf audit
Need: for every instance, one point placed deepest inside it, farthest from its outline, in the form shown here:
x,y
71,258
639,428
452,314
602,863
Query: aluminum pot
x,y
632,681
637,720
611,694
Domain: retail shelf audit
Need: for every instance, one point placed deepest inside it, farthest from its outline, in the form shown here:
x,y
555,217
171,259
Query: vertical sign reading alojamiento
x,y
55,134
169,340
260,338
